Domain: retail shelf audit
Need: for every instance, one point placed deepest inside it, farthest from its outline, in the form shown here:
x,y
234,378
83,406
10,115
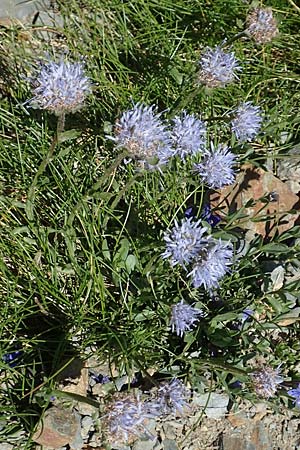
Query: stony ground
x,y
211,423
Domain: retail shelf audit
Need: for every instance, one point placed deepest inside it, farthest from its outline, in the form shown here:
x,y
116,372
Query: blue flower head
x,y
295,393
262,26
217,68
216,167
247,122
209,217
190,212
141,131
60,87
188,135
103,379
265,381
171,398
13,358
184,317
246,315
184,241
126,418
212,263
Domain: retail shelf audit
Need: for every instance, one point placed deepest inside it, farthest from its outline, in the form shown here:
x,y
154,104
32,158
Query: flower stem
x,y
186,100
29,207
95,187
234,38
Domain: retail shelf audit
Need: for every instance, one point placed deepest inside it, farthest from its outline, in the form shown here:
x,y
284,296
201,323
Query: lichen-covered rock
x,y
58,427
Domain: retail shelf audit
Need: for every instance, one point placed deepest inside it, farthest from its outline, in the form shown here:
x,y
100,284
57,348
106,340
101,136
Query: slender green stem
x,y
29,207
234,38
186,100
95,187
76,397
297,8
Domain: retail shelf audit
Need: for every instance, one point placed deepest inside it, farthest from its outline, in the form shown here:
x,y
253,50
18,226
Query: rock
x,y
253,435
215,404
95,441
171,429
259,439
23,11
58,427
288,169
233,441
121,381
87,410
77,441
4,446
99,390
143,445
104,369
87,425
74,378
117,446
169,444
238,419
255,184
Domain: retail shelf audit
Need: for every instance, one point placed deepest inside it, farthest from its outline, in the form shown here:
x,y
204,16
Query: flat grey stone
x,y
143,445
87,425
23,10
4,446
288,169
215,404
169,444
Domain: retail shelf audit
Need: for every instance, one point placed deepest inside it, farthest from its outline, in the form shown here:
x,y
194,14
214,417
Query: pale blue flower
x,y
247,122
142,132
295,393
184,317
265,381
262,26
60,87
213,262
188,135
217,68
246,315
171,398
216,167
184,241
126,418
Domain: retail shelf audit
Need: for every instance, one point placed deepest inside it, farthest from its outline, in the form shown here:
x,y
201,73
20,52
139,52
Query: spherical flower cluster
x,y
189,243
171,398
126,418
295,393
212,264
217,68
184,242
265,381
184,317
216,167
188,135
247,122
61,87
141,131
262,26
